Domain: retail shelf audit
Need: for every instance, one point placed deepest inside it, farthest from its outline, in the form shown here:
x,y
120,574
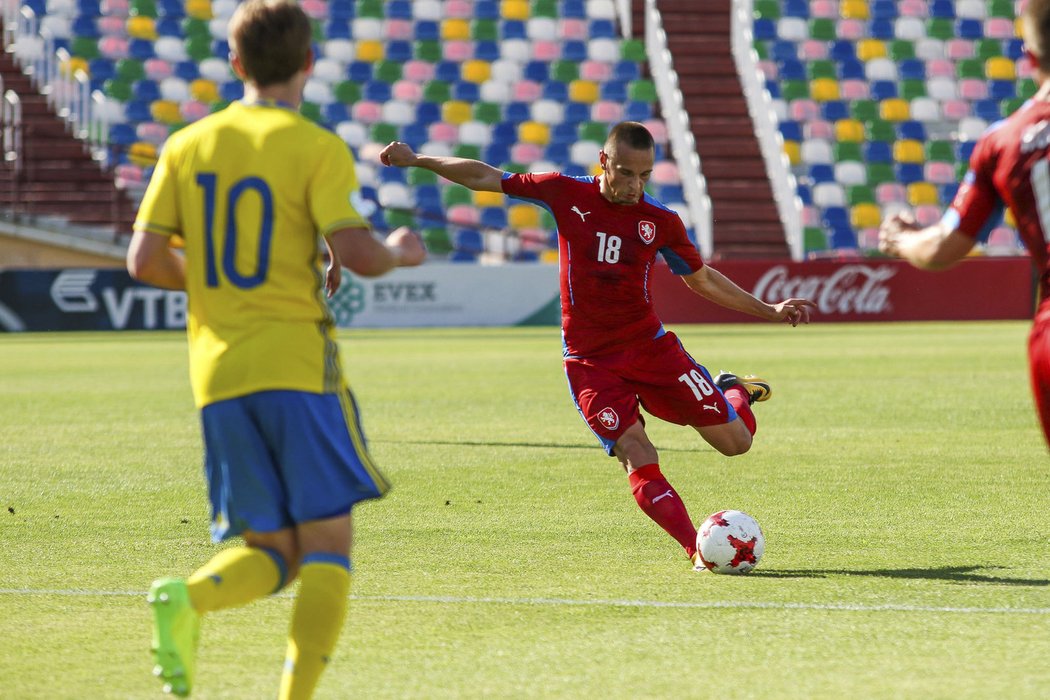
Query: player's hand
x,y
794,311
398,155
333,277
408,245
891,230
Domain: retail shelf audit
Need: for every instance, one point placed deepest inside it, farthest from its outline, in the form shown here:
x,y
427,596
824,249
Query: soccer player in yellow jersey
x,y
252,192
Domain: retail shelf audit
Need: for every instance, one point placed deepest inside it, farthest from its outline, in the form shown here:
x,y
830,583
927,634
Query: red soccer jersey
x,y
605,253
1010,166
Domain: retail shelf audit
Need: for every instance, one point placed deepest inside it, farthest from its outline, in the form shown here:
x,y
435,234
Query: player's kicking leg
x,y
176,629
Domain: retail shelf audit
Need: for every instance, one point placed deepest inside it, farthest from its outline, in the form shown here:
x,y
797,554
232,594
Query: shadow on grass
x,y
591,446
957,574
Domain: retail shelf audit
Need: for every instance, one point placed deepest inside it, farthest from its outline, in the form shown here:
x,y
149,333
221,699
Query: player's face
x,y
625,171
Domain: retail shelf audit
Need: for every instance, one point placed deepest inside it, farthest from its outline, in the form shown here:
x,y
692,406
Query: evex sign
x,y
862,290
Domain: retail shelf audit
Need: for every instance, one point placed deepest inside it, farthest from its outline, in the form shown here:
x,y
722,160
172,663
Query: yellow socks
x,y
324,584
236,576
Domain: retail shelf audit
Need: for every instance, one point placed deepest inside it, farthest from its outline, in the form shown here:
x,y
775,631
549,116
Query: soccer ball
x,y
730,542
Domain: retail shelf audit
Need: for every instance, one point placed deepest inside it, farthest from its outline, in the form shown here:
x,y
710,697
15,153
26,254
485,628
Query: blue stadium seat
x,y
145,90
555,152
878,152
842,50
821,172
505,133
467,240
169,26
773,88
964,149
781,50
791,69
614,91
486,51
603,29
795,8
881,29
427,30
909,173
187,70
486,9
137,111
376,91
638,111
175,9
428,199
399,51
500,153
791,130
341,9
101,69
805,194
494,217
462,256
466,92
1002,89
987,110
85,26
833,110
947,191
574,51
1013,48
573,170
556,90
338,29
231,90
942,9
517,112
842,236
428,112
387,175
764,29
912,69
221,47
563,134
526,256
911,130
447,71
335,112
883,89
883,9
142,49
573,9
969,29
122,135
851,68
536,71
627,71
415,134
92,8
512,28
398,9
670,193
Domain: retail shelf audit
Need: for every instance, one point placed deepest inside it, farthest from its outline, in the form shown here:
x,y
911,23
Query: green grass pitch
x,y
898,472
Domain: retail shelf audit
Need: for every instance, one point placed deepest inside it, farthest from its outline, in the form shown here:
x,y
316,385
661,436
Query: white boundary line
x,y
563,602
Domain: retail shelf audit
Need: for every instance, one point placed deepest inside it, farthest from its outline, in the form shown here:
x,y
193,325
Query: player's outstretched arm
x,y
361,252
151,260
930,248
712,284
472,174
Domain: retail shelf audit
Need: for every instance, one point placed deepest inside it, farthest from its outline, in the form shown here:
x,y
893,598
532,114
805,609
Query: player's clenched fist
x,y
398,155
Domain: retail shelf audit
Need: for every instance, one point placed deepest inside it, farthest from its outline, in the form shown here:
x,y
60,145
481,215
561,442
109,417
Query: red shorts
x,y
660,376
1039,365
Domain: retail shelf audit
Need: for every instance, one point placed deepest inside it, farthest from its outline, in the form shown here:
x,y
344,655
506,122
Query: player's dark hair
x,y
1036,30
271,38
629,134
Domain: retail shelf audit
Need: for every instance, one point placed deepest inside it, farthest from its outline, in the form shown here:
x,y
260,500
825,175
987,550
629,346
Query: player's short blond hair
x,y
271,38
1036,29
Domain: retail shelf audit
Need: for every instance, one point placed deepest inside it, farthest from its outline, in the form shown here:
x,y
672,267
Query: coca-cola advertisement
x,y
863,290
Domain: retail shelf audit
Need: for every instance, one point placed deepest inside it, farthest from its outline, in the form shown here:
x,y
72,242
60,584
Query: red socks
x,y
739,399
660,502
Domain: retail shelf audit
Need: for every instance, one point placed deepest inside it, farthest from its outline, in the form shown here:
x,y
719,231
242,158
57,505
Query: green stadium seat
x,y
142,8
901,49
370,9
456,194
396,218
864,110
387,71
633,50
429,51
879,173
85,47
767,9
940,151
312,111
466,150
860,194
846,150
437,91
641,91
381,132
912,89
940,28
348,92
821,68
436,239
421,176
880,130
984,49
130,69
564,71
484,30
970,68
592,131
814,239
822,29
794,90
544,8
487,112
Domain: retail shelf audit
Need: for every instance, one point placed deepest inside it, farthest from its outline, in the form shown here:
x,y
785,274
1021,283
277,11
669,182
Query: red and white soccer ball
x,y
730,542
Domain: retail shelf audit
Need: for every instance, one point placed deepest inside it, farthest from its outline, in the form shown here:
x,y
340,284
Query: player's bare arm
x,y
152,260
472,174
361,252
712,284
931,248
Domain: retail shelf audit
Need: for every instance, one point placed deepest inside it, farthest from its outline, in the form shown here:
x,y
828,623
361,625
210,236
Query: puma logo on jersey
x,y
666,494
711,408
583,214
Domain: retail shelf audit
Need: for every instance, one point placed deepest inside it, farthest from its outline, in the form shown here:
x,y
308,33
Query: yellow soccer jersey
x,y
250,189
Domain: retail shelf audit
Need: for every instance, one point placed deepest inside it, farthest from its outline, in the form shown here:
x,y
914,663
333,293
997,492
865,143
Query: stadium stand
x,y
880,103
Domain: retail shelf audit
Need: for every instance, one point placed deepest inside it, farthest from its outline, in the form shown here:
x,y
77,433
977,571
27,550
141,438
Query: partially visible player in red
x,y
617,354
1010,167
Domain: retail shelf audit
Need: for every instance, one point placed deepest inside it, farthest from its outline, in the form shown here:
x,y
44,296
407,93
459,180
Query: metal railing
x,y
683,144
767,130
11,144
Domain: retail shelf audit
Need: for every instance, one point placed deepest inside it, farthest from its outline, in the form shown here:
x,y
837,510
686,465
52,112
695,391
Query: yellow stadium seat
x,y
141,27
1000,68
199,9
455,29
456,112
534,132
585,91
1019,27
895,110
909,151
794,152
75,63
596,169
165,111
142,154
549,256
920,193
370,51
868,49
865,215
854,9
849,130
475,71
204,90
523,216
824,89
1008,218
489,199
514,9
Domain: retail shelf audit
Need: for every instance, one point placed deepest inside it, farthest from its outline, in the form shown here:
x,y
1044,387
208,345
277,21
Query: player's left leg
x,y
320,607
1039,368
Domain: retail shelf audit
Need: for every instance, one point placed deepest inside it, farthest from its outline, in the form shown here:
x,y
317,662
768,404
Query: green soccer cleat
x,y
176,629
757,389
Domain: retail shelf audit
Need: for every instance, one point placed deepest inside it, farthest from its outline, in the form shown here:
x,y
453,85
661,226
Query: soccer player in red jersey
x,y
1010,167
617,354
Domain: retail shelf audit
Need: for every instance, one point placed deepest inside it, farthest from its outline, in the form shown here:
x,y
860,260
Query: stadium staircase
x,y
55,174
746,221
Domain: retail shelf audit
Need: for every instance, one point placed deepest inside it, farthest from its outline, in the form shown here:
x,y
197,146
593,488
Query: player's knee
x,y
736,447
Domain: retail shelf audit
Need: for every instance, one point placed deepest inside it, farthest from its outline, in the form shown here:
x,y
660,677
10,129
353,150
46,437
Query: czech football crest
x,y
608,418
647,231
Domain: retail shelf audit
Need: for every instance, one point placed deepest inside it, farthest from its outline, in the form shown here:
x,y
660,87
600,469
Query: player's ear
x,y
238,67
602,158
309,63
